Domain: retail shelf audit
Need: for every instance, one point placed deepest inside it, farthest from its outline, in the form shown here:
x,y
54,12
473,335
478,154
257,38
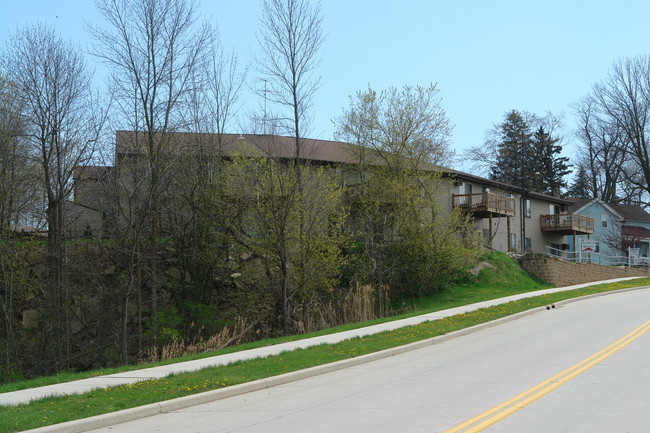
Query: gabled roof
x,y
624,212
579,205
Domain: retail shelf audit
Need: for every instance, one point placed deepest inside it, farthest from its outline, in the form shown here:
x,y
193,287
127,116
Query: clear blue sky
x,y
487,57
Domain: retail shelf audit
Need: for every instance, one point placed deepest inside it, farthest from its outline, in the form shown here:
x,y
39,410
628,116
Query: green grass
x,y
506,279
60,409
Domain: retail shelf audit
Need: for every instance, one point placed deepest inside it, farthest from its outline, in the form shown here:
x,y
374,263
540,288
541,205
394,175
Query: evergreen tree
x,y
513,150
580,188
547,168
527,159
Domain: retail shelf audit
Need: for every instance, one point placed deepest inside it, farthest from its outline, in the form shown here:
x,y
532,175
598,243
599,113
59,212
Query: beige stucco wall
x,y
500,232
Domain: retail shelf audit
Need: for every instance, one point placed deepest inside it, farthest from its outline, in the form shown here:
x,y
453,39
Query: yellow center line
x,y
507,408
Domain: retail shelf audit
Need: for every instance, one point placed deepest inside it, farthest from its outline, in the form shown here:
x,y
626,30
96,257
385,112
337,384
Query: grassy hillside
x,y
504,278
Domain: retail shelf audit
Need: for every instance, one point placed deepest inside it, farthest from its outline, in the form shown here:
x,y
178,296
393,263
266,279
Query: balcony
x,y
485,203
567,224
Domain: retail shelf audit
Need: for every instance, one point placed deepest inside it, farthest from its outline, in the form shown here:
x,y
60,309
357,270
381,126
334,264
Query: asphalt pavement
x,y
580,368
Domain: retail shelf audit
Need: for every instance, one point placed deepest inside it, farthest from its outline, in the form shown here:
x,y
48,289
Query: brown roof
x,y
631,212
577,203
311,149
272,145
635,231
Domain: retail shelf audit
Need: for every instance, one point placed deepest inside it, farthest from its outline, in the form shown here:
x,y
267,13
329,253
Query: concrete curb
x,y
152,409
139,412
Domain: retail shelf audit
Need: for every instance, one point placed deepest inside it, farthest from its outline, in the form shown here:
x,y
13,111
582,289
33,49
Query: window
x,y
553,209
513,242
528,244
555,249
603,220
465,189
529,208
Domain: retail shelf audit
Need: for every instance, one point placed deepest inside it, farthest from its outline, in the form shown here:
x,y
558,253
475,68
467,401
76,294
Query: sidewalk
x,y
111,380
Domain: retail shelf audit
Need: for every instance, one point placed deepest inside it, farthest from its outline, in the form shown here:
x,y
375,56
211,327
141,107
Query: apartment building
x,y
510,218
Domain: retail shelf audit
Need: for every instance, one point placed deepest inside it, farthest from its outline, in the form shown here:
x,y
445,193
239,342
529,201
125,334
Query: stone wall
x,y
561,273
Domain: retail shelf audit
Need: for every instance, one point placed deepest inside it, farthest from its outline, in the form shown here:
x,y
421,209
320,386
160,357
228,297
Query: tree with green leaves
x,y
157,52
297,234
405,241
290,37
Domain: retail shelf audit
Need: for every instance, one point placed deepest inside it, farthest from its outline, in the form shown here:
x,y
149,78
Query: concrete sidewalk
x,y
86,385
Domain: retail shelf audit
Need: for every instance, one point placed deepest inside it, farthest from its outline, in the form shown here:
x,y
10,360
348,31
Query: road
x,y
439,387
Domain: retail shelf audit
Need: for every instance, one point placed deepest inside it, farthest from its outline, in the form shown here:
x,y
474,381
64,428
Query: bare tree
x,y
290,38
155,50
225,80
61,128
602,151
15,182
17,174
214,97
622,104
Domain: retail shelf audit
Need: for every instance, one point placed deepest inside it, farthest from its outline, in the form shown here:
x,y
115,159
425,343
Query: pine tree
x,y
547,168
526,159
513,150
580,188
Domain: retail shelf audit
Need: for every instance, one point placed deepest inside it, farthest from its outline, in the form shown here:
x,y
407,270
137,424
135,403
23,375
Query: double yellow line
x,y
505,409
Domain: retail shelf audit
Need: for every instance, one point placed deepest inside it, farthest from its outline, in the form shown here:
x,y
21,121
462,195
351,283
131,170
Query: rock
x,y
482,265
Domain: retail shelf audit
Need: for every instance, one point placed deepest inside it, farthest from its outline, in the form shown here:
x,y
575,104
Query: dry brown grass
x,y
227,336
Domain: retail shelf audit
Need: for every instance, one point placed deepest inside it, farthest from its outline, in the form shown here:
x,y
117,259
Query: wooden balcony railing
x,y
567,223
485,203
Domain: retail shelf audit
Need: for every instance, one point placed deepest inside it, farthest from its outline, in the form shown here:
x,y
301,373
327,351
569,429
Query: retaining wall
x,y
561,273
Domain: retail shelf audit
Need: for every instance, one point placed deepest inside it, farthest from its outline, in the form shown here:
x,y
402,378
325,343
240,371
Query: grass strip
x,y
505,279
53,410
